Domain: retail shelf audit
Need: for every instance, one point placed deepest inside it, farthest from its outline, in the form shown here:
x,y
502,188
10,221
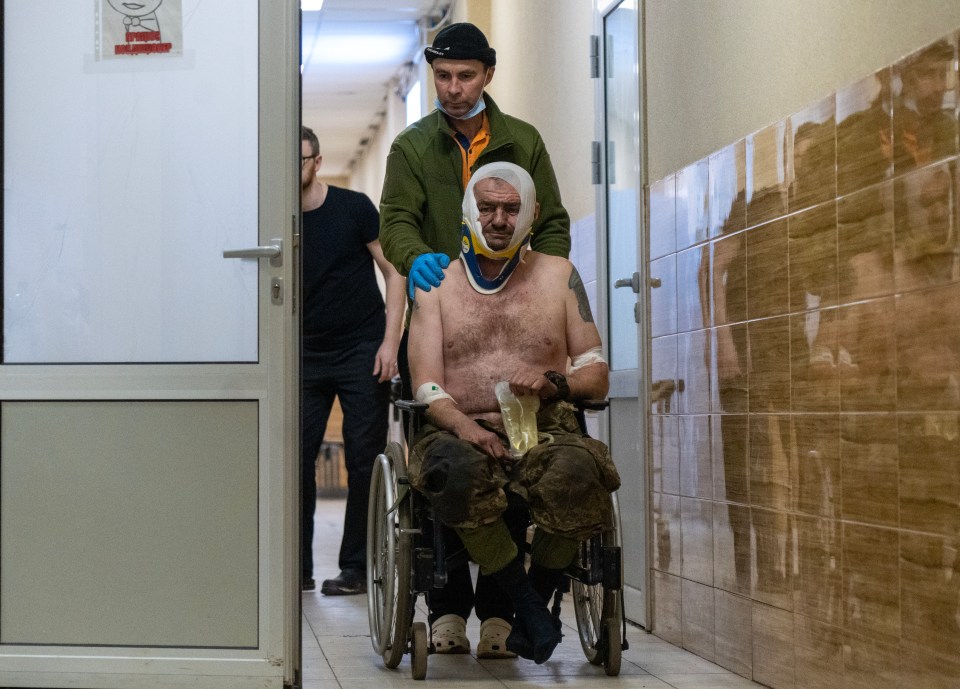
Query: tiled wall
x,y
805,369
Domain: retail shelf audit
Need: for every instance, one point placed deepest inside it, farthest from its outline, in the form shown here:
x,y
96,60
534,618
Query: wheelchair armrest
x,y
591,405
413,406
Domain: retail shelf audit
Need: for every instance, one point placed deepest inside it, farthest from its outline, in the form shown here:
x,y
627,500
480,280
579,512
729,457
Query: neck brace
x,y
472,242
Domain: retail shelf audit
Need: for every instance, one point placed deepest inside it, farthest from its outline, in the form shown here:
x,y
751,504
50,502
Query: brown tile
x,y
665,446
871,581
662,198
813,257
928,349
930,590
869,664
774,656
817,448
772,462
767,192
814,155
819,583
866,355
663,374
814,370
667,622
769,378
864,132
727,183
819,663
729,455
773,562
698,619
925,228
869,469
693,285
731,547
692,370
929,449
692,194
663,296
767,266
923,668
733,641
924,111
667,553
730,363
728,279
865,243
696,471
697,538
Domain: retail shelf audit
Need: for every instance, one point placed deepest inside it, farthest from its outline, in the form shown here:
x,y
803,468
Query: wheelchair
x,y
405,559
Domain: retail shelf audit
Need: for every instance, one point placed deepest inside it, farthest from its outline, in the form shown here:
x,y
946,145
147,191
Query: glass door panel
x,y
125,178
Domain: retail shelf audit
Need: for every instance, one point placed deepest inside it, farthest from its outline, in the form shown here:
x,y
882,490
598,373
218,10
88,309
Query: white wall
x,y
717,70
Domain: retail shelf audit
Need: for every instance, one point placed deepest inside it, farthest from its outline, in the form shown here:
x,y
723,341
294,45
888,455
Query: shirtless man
x,y
507,314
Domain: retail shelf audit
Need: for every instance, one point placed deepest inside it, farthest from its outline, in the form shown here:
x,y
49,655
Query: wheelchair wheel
x,y
389,558
419,646
599,610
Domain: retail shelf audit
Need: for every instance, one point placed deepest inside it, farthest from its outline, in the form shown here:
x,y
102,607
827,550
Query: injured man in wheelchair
x,y
506,313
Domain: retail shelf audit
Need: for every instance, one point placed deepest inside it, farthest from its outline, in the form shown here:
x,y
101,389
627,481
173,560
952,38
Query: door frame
x,y
627,383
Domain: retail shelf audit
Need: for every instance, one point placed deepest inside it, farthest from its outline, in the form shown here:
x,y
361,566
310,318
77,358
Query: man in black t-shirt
x,y
349,351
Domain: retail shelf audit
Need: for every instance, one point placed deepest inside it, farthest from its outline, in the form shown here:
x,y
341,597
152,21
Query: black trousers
x,y
348,375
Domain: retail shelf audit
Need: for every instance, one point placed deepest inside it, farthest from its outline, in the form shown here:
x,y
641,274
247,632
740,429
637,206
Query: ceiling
x,y
351,50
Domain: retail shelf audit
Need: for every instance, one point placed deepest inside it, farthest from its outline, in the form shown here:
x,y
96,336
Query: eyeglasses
x,y
304,159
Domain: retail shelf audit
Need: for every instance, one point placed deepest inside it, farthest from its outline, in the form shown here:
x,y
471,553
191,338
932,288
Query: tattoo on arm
x,y
576,284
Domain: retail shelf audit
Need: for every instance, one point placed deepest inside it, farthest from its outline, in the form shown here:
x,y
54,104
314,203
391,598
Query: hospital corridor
x,y
714,243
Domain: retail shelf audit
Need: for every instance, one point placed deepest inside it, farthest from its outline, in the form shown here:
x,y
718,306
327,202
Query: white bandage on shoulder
x,y
429,393
589,357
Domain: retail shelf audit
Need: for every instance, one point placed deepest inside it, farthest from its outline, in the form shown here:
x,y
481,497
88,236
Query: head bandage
x,y
472,241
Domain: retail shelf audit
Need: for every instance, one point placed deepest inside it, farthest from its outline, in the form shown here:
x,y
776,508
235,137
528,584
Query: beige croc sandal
x,y
493,639
450,635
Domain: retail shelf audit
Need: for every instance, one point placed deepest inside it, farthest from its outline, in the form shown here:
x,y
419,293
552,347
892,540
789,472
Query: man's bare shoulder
x,y
554,268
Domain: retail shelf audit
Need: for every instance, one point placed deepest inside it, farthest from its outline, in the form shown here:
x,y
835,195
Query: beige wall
x,y
543,77
720,69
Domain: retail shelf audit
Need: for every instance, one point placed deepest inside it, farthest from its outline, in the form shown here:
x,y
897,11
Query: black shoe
x,y
308,585
349,582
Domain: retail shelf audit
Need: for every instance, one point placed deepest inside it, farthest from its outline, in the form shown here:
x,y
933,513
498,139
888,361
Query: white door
x,y
621,211
148,396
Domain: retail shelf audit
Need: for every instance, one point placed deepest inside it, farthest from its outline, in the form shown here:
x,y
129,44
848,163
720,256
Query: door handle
x,y
631,282
272,251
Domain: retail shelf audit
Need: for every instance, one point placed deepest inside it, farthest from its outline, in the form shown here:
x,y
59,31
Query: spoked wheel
x,y
389,558
598,610
419,646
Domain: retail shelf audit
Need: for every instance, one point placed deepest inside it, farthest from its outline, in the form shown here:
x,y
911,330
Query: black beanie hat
x,y
461,41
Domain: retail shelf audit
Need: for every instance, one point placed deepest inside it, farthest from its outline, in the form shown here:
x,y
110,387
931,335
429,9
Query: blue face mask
x,y
477,108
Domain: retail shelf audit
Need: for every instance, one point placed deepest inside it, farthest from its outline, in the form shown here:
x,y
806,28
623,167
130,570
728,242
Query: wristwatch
x,y
560,381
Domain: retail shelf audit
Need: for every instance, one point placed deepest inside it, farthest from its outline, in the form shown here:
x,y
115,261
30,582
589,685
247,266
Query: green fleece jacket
x,y
420,209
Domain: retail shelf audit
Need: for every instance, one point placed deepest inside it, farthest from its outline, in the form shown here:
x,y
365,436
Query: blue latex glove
x,y
426,272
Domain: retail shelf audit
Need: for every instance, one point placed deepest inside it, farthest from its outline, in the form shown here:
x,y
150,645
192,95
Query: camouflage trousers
x,y
565,480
